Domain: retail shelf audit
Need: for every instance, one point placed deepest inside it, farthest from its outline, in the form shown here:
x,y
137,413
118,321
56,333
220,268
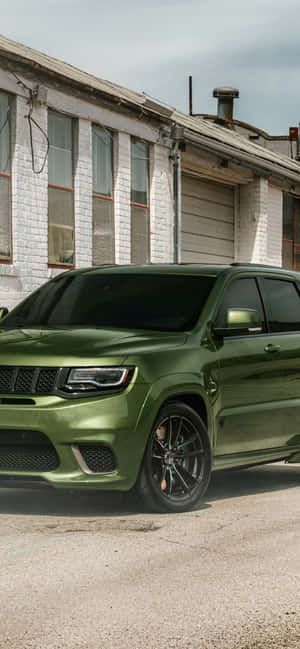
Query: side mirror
x,y
3,311
240,321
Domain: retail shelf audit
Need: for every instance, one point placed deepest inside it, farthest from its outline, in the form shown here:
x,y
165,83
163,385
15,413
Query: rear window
x,y
134,301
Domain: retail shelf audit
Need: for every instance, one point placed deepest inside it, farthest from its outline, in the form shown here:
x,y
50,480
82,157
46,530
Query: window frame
x,y
140,205
9,258
264,293
105,198
67,189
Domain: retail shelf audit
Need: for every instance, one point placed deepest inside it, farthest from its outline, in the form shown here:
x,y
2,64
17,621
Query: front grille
x,y
24,380
26,450
6,376
98,458
46,380
28,380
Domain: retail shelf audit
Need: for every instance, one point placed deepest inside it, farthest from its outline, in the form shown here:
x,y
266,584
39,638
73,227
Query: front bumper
x,y
110,420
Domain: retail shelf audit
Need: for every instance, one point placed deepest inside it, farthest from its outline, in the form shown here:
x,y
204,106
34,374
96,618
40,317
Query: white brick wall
x,y
251,233
122,198
259,223
161,205
274,244
29,204
83,194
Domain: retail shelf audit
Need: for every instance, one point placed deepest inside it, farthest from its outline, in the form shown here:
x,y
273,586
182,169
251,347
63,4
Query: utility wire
x,y
32,121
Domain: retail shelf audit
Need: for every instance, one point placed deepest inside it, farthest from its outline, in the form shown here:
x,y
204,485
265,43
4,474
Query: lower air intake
x,y
26,450
98,458
28,458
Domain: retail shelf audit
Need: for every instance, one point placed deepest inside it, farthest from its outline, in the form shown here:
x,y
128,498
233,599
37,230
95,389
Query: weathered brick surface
x,y
274,244
161,208
253,219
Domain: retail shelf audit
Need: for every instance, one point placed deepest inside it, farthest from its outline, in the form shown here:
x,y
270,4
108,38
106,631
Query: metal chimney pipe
x,y
225,98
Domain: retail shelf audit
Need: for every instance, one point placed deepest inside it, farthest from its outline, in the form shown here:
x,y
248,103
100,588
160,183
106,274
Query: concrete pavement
x,y
95,572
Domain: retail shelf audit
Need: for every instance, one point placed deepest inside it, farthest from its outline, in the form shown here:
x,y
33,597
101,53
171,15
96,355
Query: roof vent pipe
x,y
225,101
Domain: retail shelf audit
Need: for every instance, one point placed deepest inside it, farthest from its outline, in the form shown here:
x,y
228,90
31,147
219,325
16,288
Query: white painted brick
x,y
274,244
259,227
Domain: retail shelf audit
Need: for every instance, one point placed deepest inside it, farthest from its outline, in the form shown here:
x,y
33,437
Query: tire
x,y
176,468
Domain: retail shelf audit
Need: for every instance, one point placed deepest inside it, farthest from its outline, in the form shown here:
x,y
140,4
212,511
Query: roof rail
x,y
240,263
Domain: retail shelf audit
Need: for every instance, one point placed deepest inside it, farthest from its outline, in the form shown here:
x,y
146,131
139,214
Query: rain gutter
x,y
262,167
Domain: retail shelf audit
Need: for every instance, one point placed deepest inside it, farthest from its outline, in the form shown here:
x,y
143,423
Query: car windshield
x,y
126,301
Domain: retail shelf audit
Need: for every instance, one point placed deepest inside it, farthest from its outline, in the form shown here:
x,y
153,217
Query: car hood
x,y
65,346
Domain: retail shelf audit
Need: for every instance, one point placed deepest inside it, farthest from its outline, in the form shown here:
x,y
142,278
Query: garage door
x,y
207,221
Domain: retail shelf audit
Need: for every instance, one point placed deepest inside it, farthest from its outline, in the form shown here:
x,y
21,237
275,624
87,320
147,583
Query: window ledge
x,y
9,270
53,272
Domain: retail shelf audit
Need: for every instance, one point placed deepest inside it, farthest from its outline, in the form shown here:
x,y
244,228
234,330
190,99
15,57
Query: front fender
x,y
163,389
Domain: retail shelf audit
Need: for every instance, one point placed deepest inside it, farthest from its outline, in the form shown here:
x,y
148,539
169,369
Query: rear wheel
x,y
177,462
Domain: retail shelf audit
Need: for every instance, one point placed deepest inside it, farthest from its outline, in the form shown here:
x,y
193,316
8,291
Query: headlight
x,y
98,379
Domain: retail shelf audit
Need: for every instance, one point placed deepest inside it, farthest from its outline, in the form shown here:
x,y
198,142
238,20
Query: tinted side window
x,y
284,305
243,294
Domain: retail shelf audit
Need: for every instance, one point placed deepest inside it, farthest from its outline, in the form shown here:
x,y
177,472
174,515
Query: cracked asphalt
x,y
96,572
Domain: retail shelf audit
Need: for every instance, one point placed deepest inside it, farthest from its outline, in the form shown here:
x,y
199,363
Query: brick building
x,y
92,173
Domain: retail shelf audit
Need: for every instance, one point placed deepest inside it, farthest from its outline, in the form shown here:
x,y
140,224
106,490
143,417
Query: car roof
x,y
213,270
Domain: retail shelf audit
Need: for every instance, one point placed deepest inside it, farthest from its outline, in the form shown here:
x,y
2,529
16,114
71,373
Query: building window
x,y
103,204
291,232
140,213
5,178
60,191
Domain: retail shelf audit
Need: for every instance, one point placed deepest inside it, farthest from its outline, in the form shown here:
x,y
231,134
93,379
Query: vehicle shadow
x,y
233,483
224,484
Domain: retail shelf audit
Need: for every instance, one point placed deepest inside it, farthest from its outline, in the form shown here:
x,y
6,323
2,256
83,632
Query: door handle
x,y
270,349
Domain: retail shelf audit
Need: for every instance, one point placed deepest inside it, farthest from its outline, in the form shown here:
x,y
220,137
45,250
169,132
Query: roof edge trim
x,y
264,167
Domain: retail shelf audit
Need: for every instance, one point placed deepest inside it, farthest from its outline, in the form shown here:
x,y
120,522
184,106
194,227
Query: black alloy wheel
x,y
177,462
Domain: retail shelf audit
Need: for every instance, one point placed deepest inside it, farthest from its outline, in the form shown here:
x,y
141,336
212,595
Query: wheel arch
x,y
192,399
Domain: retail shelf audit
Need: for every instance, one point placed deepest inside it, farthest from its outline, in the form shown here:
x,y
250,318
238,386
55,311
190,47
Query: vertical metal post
x,y
190,95
297,144
177,204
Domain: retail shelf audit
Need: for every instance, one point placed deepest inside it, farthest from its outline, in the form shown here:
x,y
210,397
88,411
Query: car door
x,y
251,408
281,297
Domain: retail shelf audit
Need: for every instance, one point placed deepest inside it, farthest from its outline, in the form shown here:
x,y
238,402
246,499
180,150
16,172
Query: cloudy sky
x,y
154,45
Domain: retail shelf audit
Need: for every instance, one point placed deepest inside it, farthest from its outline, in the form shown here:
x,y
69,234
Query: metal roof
x,y
213,134
229,137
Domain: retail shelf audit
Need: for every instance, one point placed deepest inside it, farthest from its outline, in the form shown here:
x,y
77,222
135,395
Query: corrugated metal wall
x,y
207,223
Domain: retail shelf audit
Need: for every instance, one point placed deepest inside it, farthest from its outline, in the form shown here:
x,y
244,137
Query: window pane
x,y
241,294
60,131
103,232
61,247
139,172
284,303
287,254
297,258
102,162
139,235
287,216
60,168
4,217
4,135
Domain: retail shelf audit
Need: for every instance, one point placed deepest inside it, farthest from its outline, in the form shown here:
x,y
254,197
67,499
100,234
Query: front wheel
x,y
177,463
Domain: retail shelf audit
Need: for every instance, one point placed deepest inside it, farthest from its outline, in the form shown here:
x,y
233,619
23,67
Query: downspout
x,y
177,215
178,146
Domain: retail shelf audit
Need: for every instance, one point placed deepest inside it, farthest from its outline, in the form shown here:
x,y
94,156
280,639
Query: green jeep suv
x,y
151,377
